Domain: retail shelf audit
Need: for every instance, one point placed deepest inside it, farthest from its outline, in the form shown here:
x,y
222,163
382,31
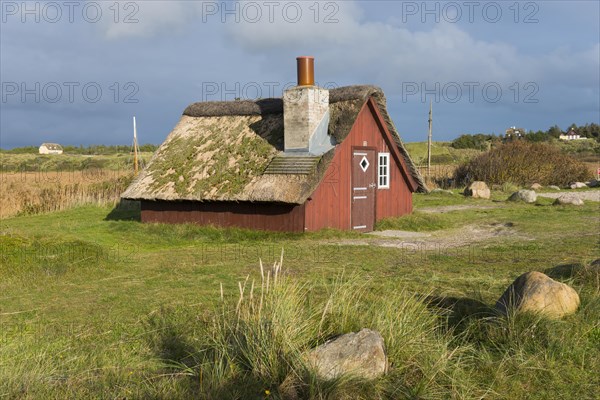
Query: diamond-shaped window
x,y
364,164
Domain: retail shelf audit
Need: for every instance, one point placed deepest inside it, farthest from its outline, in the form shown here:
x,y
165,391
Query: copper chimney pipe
x,y
306,70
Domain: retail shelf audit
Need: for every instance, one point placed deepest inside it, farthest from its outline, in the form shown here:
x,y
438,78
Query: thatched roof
x,y
220,151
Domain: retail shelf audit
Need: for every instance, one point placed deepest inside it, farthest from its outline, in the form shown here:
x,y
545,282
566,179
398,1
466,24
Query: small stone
x,y
536,186
578,185
553,187
593,183
478,190
361,354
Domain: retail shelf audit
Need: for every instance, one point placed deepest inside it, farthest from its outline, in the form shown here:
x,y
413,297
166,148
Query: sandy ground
x,y
464,236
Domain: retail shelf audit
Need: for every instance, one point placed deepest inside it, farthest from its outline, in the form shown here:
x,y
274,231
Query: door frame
x,y
376,161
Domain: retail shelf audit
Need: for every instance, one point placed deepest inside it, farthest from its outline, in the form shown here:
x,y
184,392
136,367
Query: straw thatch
x,y
219,151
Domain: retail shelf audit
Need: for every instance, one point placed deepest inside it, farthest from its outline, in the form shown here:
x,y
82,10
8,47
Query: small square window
x,y
383,170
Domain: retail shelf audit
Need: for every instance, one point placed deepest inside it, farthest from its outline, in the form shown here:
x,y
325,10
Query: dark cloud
x,y
180,52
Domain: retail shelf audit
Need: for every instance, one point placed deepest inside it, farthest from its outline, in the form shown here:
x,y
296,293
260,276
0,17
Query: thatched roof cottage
x,y
314,159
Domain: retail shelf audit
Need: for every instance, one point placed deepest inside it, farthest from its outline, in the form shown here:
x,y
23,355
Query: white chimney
x,y
306,114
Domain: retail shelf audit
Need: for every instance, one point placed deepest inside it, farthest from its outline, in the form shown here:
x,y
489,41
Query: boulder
x,y
478,190
568,199
536,292
360,354
553,187
536,186
595,263
528,196
578,185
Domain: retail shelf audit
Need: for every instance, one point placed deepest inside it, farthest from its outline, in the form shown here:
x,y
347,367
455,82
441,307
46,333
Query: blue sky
x,y
75,73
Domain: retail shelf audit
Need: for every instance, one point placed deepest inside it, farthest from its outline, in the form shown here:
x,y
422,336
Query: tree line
x,y
482,141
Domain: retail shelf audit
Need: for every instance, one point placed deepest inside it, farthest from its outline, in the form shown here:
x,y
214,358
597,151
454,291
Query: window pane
x,y
384,159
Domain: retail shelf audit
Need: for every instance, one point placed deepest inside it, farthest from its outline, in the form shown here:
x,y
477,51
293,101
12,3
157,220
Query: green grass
x,y
94,307
441,153
416,222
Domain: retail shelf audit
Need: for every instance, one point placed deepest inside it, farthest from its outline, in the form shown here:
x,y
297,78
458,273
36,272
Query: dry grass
x,y
45,191
438,176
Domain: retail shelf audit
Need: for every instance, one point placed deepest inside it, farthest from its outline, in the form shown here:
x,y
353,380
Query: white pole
x,y
134,130
429,143
135,149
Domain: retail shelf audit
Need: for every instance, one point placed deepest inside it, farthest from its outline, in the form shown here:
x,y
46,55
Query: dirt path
x,y
448,238
590,195
458,237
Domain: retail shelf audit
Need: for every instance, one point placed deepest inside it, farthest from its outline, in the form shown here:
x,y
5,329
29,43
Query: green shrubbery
x,y
523,163
479,141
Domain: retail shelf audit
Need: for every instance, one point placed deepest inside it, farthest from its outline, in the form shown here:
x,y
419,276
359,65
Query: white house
x,y
570,135
51,148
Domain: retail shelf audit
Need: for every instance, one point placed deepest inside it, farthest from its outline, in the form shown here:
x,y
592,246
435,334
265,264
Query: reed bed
x,y
28,193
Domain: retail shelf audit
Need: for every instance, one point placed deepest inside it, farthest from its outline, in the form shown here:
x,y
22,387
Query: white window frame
x,y
383,171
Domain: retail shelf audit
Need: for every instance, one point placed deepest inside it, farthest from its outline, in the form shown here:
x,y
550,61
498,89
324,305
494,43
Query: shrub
x,y
478,141
523,163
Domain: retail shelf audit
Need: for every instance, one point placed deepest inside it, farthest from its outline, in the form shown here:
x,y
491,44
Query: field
x,y
33,184
94,304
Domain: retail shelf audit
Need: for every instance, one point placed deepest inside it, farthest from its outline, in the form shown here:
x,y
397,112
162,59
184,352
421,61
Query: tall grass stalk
x,y
260,340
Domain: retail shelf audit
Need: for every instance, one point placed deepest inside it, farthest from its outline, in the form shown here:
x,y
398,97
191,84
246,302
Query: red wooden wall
x,y
260,216
330,205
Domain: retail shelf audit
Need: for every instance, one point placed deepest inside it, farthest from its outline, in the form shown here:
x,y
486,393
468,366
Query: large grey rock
x,y
536,292
578,185
528,196
568,199
536,186
361,354
478,190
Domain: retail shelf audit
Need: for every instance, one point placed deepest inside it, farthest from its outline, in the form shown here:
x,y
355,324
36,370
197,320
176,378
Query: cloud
x,y
391,54
148,18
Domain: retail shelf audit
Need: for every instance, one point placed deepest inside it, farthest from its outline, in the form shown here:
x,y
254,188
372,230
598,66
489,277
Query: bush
x,y
478,141
523,163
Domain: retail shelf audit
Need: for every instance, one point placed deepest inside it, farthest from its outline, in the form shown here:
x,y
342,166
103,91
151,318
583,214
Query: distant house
x,y
570,135
514,133
315,159
51,148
